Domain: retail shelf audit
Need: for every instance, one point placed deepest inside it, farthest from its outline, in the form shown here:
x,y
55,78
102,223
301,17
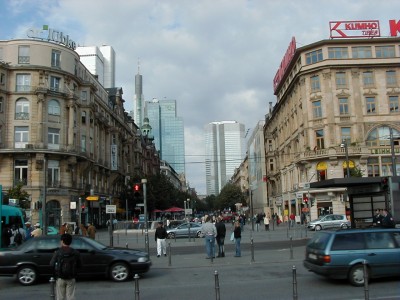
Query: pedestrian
x,y
91,231
70,229
387,219
19,235
292,218
221,232
28,230
83,230
237,234
210,232
37,231
63,229
66,261
257,218
6,234
377,219
160,236
266,223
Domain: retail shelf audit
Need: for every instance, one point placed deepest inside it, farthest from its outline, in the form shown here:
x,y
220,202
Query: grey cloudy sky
x,y
217,58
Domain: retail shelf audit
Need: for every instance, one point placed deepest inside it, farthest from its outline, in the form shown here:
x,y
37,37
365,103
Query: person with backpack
x,y
66,261
19,235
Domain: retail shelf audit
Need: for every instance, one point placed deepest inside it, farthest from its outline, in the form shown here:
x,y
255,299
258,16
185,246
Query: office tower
x,y
168,132
100,61
138,103
225,150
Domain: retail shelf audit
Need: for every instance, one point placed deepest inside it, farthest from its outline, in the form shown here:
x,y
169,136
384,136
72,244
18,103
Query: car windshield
x,y
319,240
96,244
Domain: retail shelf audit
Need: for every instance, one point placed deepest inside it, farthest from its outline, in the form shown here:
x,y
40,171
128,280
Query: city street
x,y
188,275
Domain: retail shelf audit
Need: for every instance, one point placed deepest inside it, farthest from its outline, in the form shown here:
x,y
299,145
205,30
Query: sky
x,y
216,58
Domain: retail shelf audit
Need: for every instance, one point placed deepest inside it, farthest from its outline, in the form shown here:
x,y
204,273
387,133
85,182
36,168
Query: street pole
x,y
44,223
110,226
146,225
394,172
252,209
346,151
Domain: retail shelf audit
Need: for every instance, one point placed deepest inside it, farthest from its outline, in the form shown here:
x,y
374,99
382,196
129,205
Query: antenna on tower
x,y
138,65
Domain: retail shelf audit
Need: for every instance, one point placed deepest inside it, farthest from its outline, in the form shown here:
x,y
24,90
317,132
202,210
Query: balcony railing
x,y
21,116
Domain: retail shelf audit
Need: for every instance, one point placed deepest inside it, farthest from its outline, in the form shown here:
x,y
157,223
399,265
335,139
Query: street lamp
x,y
344,145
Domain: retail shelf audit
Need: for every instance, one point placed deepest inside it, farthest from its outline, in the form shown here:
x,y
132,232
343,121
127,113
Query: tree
x,y
18,193
229,196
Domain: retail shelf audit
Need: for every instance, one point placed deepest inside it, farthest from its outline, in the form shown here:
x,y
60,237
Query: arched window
x,y
381,136
54,107
22,109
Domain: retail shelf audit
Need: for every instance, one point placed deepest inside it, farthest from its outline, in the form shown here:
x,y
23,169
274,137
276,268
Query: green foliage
x,y
17,192
356,172
229,196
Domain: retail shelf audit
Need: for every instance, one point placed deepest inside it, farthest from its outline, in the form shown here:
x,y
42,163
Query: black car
x,y
32,259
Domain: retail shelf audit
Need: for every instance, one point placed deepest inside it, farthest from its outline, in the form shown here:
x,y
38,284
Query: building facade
x,y
64,136
337,113
168,132
225,149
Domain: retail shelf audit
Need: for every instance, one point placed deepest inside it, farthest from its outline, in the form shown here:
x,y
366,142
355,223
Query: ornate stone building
x,y
64,136
337,110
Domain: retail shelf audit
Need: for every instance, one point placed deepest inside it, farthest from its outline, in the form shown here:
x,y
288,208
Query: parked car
x,y
183,230
330,222
341,254
31,260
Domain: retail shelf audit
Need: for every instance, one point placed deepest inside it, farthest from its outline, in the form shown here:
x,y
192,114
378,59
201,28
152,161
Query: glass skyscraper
x,y
225,150
168,132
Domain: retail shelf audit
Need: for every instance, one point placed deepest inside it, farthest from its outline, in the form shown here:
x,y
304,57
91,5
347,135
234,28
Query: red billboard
x,y
351,29
284,63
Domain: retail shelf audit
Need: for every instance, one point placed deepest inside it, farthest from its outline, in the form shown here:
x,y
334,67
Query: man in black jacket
x,y
221,232
160,236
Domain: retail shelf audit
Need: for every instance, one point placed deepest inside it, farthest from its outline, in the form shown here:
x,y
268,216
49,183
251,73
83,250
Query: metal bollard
x,y
117,238
137,292
366,289
169,254
252,250
287,232
291,248
217,297
126,245
294,283
52,288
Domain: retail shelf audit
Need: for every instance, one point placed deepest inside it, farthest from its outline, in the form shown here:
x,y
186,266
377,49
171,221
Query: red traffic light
x,y
136,187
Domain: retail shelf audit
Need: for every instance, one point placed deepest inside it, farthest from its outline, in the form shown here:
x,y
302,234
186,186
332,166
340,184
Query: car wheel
x,y
26,275
171,235
356,275
344,226
119,272
318,227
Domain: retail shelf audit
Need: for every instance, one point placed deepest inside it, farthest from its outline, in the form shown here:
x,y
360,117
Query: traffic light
x,y
384,183
305,199
137,190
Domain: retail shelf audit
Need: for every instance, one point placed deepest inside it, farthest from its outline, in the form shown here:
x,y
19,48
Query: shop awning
x,y
92,198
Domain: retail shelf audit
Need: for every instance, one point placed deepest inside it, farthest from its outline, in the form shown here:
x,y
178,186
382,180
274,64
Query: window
x,y
373,167
54,83
1,104
346,135
343,106
2,78
23,82
317,109
341,81
83,143
315,85
56,58
394,103
319,136
21,171
362,52
53,138
22,109
371,105
384,51
83,113
53,173
380,136
391,79
338,52
314,56
350,241
379,240
368,79
23,55
84,95
54,108
21,136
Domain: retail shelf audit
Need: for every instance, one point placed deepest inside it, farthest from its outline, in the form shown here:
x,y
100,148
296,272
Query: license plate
x,y
312,256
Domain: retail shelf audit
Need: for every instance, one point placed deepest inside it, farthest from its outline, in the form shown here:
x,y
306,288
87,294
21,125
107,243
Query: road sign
x,y
111,209
140,204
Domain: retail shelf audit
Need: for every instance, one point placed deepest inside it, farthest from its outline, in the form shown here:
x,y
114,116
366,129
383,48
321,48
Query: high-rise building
x,y
138,103
100,61
168,132
225,150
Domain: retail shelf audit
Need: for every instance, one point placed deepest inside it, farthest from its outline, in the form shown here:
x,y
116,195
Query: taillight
x,y
326,258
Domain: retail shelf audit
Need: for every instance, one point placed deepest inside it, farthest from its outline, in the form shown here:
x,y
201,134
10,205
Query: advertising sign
x,y
351,29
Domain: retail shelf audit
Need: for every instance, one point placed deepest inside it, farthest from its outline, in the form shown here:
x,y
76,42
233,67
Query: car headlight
x,y
142,259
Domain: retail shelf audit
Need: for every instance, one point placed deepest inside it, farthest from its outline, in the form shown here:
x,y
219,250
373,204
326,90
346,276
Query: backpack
x,y
66,265
18,238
